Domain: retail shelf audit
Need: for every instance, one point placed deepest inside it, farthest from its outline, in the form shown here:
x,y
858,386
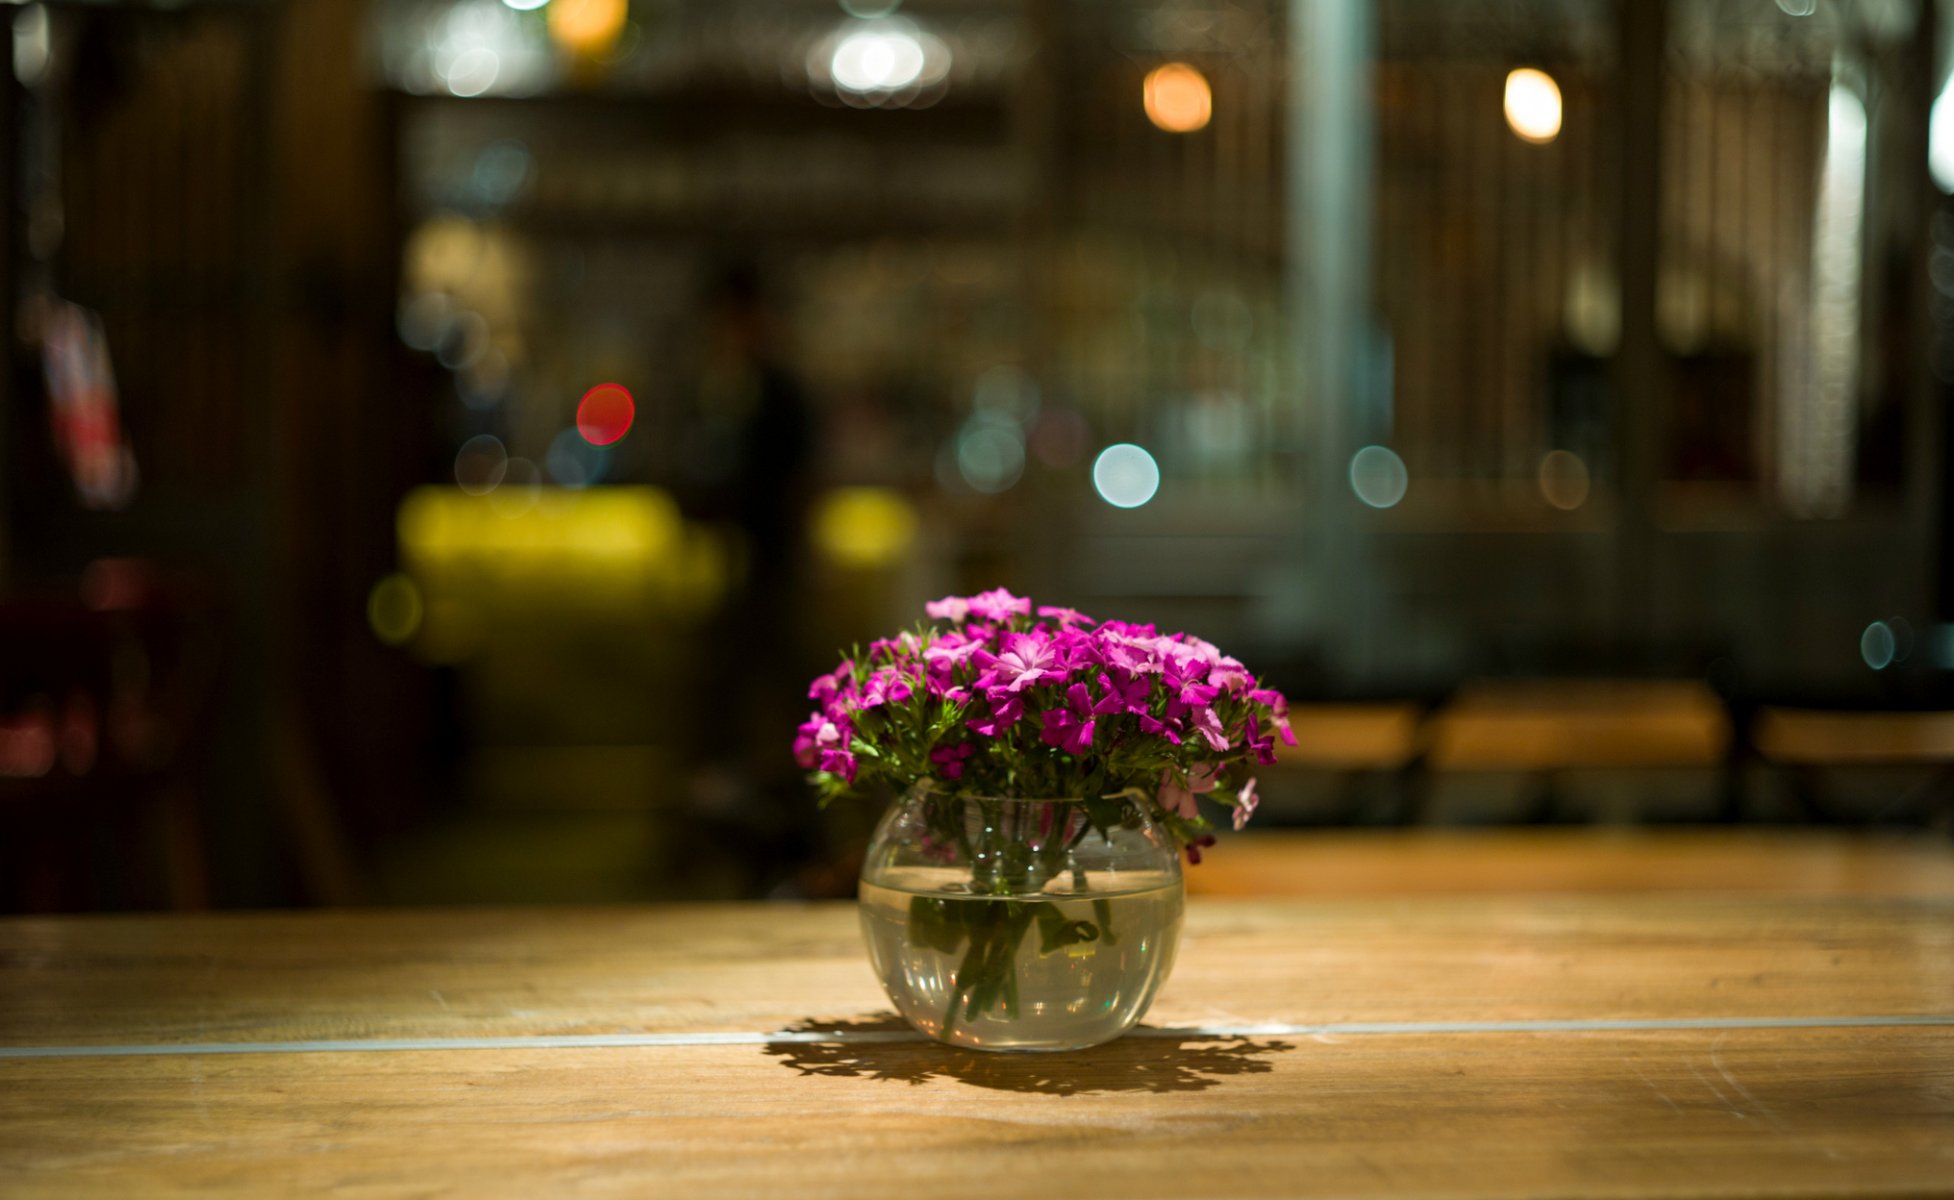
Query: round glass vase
x,y
1011,924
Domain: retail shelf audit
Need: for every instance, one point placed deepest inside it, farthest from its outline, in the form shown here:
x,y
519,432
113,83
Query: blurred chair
x,y
105,722
1545,727
1802,862
1354,743
1816,745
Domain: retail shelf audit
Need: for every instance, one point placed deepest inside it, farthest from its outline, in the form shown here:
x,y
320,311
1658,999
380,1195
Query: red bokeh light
x,y
604,414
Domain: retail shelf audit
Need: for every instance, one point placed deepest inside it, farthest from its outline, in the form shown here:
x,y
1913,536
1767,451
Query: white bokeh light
x,y
1533,106
1878,645
1378,476
877,60
1940,138
1125,475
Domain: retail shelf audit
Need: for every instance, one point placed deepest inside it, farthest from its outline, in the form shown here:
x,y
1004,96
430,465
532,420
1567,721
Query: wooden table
x,y
1450,1045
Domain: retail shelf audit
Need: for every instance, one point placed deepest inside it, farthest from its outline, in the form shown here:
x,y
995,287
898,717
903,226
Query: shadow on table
x,y
884,1047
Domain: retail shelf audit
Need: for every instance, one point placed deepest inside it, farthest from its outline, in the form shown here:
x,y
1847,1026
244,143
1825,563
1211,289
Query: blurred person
x,y
746,453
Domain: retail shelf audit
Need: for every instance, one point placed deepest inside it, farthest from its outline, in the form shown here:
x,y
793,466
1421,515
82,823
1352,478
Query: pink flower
x,y
1245,802
1230,675
950,608
1066,617
1278,706
1025,661
998,605
1178,796
885,686
1206,723
818,736
824,687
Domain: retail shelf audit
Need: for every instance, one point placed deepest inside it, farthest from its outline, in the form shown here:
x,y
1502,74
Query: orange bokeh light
x,y
604,414
1177,98
587,26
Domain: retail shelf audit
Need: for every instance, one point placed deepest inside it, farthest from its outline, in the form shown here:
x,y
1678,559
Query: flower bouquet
x,y
1047,768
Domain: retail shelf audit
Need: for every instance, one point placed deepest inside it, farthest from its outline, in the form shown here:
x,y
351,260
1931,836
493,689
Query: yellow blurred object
x,y
609,527
1177,98
864,526
606,553
587,27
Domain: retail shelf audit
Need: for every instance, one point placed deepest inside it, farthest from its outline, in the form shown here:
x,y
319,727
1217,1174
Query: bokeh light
x,y
604,414
1940,138
882,59
990,453
1877,645
394,609
473,71
1177,98
481,464
1564,479
1533,106
864,527
1378,476
587,26
424,319
1125,475
525,5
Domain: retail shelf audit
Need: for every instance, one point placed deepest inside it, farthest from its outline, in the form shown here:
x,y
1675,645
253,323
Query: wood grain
x,y
1733,1112
1815,1113
758,968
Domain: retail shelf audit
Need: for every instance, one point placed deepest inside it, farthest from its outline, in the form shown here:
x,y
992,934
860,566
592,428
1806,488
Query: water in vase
x,y
1054,970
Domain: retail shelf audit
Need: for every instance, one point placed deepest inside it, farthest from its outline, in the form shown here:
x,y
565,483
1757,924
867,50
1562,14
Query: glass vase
x,y
1012,924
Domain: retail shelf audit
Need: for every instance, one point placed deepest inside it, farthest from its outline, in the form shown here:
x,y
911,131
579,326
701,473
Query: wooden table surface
x,y
1599,1043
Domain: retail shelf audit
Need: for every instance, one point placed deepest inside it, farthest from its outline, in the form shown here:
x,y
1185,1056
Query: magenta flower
x,y
824,687
1025,661
820,735
840,762
1278,706
998,662
884,686
1263,747
1130,696
949,759
1070,728
1208,725
1006,709
1134,655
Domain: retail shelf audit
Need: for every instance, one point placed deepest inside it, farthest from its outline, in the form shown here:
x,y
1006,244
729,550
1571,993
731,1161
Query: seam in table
x,y
870,1037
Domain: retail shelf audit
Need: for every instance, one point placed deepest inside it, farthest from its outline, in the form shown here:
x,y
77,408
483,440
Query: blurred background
x,y
442,437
